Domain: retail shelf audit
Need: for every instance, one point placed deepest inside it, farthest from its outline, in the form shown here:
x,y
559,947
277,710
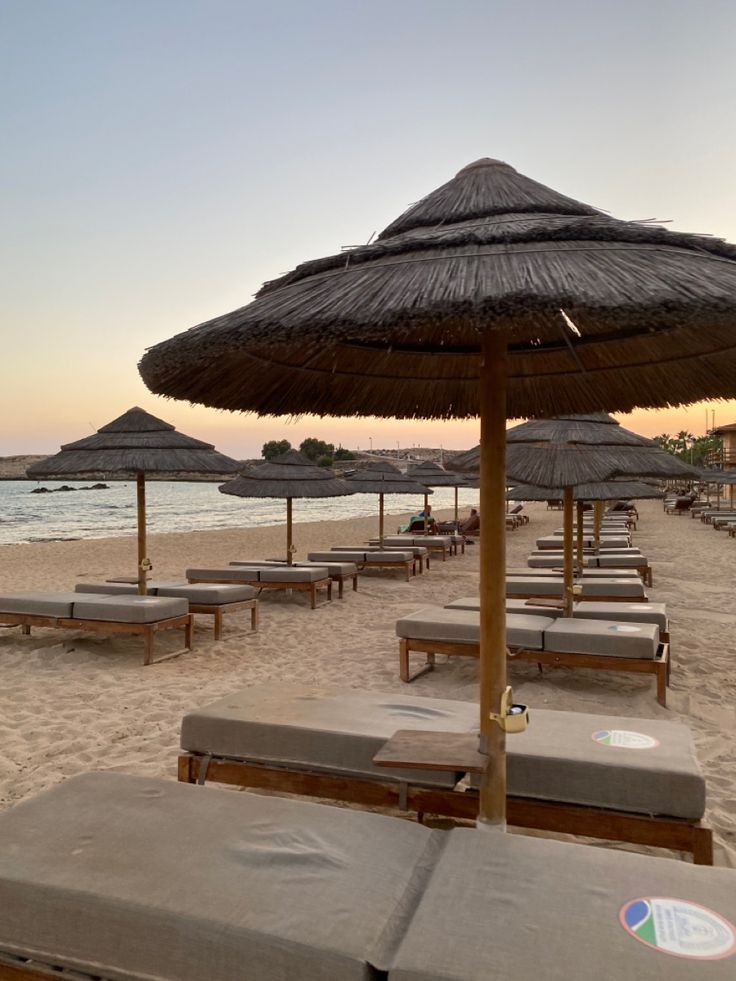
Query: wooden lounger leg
x,y
339,588
26,629
404,671
662,683
218,624
185,769
254,616
329,591
702,846
148,645
408,571
188,632
355,583
313,595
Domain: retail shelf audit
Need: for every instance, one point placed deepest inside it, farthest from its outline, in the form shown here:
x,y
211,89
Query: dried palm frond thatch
x,y
599,312
611,490
135,443
287,476
381,477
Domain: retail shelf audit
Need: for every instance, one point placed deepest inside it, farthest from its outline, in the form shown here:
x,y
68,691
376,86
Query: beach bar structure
x,y
493,296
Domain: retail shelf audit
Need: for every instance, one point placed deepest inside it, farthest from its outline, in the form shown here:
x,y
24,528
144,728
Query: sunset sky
x,y
162,158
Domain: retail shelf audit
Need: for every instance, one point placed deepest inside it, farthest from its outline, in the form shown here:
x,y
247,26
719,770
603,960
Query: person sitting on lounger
x,y
416,524
470,524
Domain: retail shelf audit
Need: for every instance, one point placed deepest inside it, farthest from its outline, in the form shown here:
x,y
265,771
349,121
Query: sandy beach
x,y
94,706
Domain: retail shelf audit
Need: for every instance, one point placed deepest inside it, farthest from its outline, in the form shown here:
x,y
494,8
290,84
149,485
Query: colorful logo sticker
x,y
624,739
678,927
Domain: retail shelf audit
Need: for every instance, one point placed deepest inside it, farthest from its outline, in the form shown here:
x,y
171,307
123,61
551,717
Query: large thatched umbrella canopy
x,y
287,476
381,477
433,475
135,444
493,296
566,451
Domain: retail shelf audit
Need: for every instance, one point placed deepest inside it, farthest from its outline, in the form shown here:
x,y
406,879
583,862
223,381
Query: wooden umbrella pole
x,y
457,523
597,521
568,549
580,513
289,543
142,564
426,517
380,519
492,809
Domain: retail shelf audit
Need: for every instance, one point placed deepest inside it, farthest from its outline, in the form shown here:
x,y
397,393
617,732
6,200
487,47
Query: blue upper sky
x,y
161,159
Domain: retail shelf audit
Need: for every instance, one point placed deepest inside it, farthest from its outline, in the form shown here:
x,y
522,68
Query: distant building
x,y
727,456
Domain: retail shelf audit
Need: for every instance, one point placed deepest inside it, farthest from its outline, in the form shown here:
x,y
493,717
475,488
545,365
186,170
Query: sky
x,y
163,158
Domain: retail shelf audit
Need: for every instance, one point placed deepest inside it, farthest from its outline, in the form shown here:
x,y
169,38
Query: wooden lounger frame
x,y
590,598
408,565
218,610
148,630
310,587
658,665
594,822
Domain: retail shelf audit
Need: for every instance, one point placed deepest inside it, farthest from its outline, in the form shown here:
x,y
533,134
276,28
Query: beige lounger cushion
x,y
340,730
416,550
636,612
613,585
393,556
209,593
321,728
128,609
611,561
510,907
521,606
373,553
130,877
288,574
578,636
613,541
463,627
229,573
586,574
532,585
340,556
38,604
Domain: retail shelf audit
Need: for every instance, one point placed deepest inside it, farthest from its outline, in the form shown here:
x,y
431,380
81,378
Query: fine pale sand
x,y
95,706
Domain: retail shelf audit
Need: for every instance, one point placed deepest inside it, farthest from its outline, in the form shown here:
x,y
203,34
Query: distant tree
x,y
313,449
275,447
325,461
343,454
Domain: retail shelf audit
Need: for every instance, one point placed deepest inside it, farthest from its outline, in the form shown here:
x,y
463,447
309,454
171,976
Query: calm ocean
x,y
172,506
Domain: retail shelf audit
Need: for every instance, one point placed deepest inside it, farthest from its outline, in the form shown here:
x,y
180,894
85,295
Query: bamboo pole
x,y
492,810
142,564
457,523
289,542
426,516
568,549
580,514
380,519
597,521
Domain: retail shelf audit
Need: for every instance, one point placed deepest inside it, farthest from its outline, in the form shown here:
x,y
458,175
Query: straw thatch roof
x,y
382,477
433,475
289,475
612,490
717,476
134,443
598,312
569,450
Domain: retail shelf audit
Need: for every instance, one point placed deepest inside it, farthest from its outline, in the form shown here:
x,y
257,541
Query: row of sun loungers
x,y
604,645
137,878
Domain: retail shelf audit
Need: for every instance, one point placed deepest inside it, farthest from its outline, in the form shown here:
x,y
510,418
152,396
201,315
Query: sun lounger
x,y
629,559
568,771
309,580
365,558
620,612
584,574
138,879
338,571
606,541
141,615
420,552
603,645
210,599
611,589
443,545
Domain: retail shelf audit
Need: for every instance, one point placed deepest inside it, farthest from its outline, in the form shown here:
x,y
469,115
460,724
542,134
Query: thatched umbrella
x,y
135,444
610,490
381,477
288,475
433,475
494,296
557,452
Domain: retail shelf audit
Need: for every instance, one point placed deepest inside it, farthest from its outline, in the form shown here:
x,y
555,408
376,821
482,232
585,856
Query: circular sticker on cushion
x,y
624,739
624,628
678,927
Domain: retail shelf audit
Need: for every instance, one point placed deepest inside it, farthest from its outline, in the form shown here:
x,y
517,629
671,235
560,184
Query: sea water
x,y
176,506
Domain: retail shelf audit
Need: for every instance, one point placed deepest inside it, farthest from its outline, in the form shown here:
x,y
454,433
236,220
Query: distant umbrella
x,y
133,445
381,477
433,475
495,296
289,475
